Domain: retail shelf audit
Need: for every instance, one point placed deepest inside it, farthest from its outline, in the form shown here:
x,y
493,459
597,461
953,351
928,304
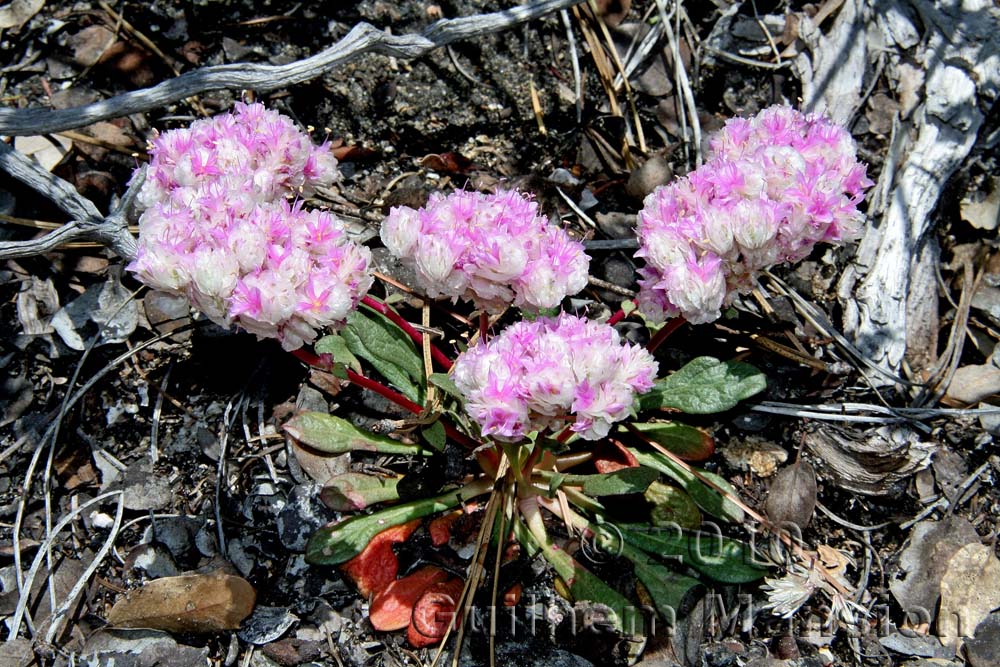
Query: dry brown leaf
x,y
792,496
18,12
48,151
970,590
188,603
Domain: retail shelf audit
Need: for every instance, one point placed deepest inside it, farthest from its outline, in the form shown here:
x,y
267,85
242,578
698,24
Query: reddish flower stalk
x,y
664,333
484,326
617,317
417,337
385,392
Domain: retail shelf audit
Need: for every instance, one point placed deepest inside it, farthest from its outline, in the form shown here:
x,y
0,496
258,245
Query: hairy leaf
x,y
687,442
341,541
703,386
329,433
336,347
434,435
707,498
715,556
374,338
355,491
444,382
617,483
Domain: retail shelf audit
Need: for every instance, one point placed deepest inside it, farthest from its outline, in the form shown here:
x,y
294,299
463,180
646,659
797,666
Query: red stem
x,y
417,337
484,327
617,317
664,333
402,401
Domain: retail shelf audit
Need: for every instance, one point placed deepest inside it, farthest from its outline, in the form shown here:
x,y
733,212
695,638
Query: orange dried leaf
x,y
392,608
433,612
610,456
440,528
376,567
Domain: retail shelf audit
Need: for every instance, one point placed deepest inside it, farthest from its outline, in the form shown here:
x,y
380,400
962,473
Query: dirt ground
x,y
186,423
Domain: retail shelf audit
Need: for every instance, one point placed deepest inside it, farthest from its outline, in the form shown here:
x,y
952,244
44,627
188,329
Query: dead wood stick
x,y
87,223
363,38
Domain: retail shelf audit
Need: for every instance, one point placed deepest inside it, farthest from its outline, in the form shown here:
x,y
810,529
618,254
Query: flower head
x,y
773,187
218,227
549,372
492,249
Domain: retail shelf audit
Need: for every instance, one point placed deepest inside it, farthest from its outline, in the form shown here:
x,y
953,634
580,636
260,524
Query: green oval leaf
x,y
374,338
705,496
687,442
672,506
715,556
329,433
703,386
340,542
617,483
336,347
355,491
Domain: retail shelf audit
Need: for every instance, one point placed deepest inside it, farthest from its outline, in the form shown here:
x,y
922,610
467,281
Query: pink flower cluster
x,y
492,249
773,187
545,373
218,227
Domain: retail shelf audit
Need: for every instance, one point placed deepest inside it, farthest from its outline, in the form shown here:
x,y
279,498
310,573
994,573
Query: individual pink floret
x,y
218,226
546,373
773,186
494,250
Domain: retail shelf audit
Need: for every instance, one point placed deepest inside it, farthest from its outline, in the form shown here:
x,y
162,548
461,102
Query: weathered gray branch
x,y
363,38
960,53
87,222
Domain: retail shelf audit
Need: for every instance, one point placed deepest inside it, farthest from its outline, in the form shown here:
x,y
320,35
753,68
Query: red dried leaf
x,y
440,528
610,456
353,153
448,163
433,613
489,461
513,595
376,567
392,607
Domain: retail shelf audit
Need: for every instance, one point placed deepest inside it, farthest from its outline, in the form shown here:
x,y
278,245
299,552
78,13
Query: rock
x,y
154,560
983,650
616,225
176,533
144,488
167,312
972,384
654,172
924,561
970,590
291,652
911,643
267,624
301,516
140,648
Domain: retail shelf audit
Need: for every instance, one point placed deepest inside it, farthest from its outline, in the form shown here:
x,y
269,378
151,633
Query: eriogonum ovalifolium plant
x,y
537,375
218,226
492,249
773,187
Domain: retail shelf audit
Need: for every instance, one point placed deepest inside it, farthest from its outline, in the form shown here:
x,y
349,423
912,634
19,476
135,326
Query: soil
x,y
189,426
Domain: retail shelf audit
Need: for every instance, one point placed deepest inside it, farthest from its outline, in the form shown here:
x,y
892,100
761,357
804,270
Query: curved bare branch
x,y
363,38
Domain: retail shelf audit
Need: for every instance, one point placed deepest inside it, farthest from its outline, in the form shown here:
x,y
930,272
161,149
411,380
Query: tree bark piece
x,y
960,52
